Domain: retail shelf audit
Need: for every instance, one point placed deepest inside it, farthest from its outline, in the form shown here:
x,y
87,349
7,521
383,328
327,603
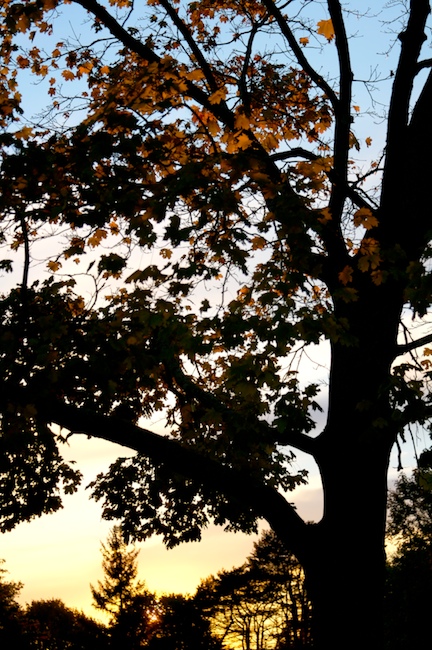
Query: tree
x,y
10,610
261,605
51,625
182,625
127,602
213,136
409,571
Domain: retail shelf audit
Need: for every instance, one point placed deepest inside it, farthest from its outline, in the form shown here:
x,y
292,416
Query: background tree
x,y
51,625
262,605
182,625
409,571
130,607
221,138
10,611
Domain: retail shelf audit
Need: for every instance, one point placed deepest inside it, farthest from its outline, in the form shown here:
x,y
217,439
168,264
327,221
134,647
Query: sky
x,y
58,556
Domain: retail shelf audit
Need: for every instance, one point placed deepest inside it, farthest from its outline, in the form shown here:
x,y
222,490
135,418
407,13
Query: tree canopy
x,y
192,208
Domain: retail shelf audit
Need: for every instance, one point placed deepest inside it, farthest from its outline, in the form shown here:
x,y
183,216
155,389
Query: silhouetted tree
x,y
10,610
409,570
263,604
217,144
51,625
182,626
127,602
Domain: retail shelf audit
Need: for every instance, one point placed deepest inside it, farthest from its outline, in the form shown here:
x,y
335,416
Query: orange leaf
x,y
325,28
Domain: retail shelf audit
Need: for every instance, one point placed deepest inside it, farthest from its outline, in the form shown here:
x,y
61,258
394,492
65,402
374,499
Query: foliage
x,y
130,606
410,510
10,611
409,571
261,605
182,625
195,208
51,625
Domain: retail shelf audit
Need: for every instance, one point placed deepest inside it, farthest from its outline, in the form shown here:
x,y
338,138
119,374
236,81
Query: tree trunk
x,y
345,566
346,571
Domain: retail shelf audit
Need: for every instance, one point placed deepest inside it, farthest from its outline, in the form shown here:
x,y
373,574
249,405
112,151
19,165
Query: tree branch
x,y
220,110
238,486
299,54
343,111
412,40
185,32
413,345
193,391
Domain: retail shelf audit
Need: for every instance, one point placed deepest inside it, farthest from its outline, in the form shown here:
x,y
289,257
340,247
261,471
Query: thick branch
x,y
343,112
412,40
413,345
185,32
236,485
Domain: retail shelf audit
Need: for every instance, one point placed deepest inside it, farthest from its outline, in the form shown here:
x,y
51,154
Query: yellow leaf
x,y
304,41
166,253
365,218
243,141
325,28
377,276
97,237
218,96
68,75
241,121
24,133
23,23
86,67
54,266
270,142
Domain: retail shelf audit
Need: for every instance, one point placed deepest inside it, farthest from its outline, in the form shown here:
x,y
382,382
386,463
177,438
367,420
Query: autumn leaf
x,y
24,133
68,75
97,237
325,28
364,217
53,266
258,243
218,96
345,276
325,216
304,40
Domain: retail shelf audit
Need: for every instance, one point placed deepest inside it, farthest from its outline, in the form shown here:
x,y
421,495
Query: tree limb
x,y
238,486
412,40
220,110
413,345
299,54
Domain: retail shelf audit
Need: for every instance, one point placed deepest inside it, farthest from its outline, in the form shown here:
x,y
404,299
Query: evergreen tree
x,y
126,600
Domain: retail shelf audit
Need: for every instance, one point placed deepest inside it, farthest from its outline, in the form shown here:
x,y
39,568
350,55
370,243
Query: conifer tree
x,y
125,599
